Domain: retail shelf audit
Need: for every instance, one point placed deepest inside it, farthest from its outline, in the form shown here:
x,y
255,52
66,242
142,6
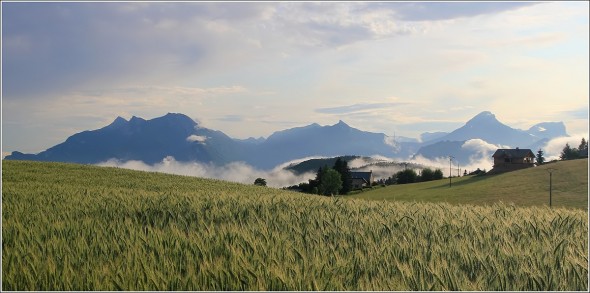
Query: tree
x,y
406,176
427,174
260,182
583,145
341,166
391,180
540,158
438,174
331,182
569,153
319,178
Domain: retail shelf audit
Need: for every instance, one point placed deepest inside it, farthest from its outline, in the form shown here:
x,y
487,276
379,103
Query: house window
x,y
506,160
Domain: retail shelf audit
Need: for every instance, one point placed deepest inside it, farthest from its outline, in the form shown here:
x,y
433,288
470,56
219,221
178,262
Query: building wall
x,y
516,161
501,166
357,183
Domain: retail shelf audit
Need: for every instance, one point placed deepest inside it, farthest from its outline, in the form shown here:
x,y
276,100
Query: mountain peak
x,y
119,122
177,117
485,116
173,119
135,119
341,124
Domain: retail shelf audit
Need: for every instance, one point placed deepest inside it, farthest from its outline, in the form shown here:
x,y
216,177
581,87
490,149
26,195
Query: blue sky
x,y
249,69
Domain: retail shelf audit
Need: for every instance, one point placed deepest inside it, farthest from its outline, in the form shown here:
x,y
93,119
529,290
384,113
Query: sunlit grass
x,y
529,187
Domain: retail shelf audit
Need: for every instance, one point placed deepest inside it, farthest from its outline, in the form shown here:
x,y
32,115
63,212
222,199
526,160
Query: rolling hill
x,y
528,187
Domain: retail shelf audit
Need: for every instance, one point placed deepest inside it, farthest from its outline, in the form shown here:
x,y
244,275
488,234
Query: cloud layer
x,y
279,177
236,171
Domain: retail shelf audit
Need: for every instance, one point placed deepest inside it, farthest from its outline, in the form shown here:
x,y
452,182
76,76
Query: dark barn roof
x,y
362,175
513,153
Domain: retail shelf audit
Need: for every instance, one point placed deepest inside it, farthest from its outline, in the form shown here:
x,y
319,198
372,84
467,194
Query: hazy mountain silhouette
x,y
328,141
486,127
145,140
179,136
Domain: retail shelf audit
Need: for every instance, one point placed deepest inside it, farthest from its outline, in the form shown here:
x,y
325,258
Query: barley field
x,y
75,227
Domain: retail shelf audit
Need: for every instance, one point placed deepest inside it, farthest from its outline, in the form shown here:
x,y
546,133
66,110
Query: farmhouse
x,y
506,160
361,179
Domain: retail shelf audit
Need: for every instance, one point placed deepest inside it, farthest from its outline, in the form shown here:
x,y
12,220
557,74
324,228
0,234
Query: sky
x,y
249,69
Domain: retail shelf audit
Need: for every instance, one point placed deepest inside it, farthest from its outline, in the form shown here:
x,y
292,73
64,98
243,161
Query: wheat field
x,y
75,227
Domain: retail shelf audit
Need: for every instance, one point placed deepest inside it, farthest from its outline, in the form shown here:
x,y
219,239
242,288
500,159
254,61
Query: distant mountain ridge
x,y
138,139
315,140
485,126
181,137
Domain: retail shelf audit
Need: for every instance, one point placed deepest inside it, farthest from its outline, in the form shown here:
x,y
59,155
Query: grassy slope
x,y
529,187
75,227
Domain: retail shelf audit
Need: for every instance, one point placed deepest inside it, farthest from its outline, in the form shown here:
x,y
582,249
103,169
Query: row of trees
x,y
410,176
569,153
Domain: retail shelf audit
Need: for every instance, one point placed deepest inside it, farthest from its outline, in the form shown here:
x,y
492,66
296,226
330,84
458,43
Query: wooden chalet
x,y
506,160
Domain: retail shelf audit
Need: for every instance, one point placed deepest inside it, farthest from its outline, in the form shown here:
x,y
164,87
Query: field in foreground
x,y
75,227
528,187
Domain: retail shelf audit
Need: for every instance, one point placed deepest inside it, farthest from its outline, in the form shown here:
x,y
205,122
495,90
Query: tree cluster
x,y
478,172
329,180
569,153
410,176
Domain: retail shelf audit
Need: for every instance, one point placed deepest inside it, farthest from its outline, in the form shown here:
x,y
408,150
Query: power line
x,y
550,170
450,169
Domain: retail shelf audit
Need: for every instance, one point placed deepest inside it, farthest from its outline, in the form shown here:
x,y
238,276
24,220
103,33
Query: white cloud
x,y
442,163
363,161
481,147
552,149
482,158
197,138
390,141
236,171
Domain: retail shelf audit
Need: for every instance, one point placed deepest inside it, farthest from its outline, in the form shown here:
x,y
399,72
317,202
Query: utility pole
x,y
550,170
450,169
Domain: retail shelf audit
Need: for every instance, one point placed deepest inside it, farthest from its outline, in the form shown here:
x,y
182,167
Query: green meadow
x,y
76,227
528,187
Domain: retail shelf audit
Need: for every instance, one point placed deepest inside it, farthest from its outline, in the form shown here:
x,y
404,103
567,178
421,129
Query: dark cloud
x,y
357,107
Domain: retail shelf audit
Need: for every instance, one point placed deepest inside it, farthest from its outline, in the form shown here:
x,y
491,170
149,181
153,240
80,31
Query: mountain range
x,y
181,137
